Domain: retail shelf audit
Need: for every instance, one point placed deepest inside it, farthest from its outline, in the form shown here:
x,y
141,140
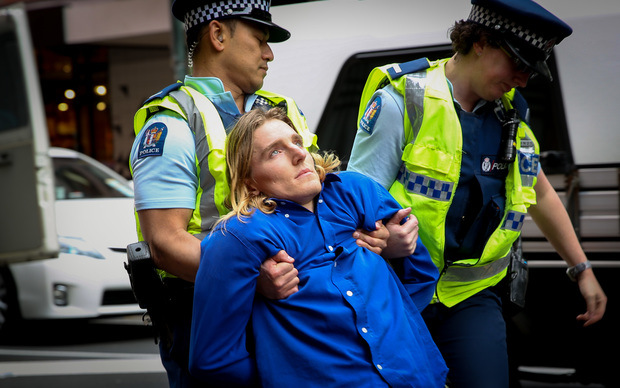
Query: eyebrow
x,y
275,143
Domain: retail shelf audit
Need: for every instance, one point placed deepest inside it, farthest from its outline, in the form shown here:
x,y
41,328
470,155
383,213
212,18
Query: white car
x,y
95,222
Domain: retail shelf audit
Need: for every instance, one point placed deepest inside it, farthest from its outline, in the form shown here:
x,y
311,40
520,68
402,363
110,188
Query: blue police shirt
x,y
480,198
351,324
169,179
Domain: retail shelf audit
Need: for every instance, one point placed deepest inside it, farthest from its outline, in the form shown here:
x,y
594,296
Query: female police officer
x,y
434,137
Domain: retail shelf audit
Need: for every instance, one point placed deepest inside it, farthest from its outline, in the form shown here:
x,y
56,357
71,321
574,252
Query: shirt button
x,y
330,248
379,366
286,215
320,201
350,293
364,330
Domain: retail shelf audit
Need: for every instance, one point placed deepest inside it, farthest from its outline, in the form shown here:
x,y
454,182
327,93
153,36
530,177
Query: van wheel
x,y
8,301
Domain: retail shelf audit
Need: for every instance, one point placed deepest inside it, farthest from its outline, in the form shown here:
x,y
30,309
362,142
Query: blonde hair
x,y
239,149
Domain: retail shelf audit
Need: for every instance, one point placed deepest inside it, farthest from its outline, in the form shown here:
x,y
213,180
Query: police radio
x,y
146,283
149,289
510,126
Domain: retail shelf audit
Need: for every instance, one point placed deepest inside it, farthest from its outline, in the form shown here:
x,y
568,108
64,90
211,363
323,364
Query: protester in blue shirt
x,y
352,323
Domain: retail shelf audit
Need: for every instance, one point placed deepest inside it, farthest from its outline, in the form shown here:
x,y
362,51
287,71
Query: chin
x,y
253,88
495,95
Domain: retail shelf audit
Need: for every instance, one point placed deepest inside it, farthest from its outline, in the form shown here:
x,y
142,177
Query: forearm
x,y
553,221
174,250
177,254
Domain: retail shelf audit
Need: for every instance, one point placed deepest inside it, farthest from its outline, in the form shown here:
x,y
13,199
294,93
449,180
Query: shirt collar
x,y
285,203
209,86
479,105
213,89
332,177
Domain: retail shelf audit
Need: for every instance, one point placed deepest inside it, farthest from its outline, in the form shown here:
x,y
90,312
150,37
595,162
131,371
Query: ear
x,y
478,47
216,35
252,189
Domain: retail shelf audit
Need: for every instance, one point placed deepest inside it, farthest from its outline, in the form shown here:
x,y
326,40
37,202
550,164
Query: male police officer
x,y
177,159
443,158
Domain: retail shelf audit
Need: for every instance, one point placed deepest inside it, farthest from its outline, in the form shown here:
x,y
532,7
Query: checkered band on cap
x,y
218,9
493,20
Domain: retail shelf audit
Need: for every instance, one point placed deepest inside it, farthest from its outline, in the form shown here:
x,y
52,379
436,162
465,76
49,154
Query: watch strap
x,y
574,271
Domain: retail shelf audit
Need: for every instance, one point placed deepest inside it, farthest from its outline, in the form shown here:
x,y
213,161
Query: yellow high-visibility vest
x,y
210,137
429,176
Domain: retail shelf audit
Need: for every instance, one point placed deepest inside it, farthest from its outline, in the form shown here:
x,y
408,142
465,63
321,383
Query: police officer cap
x,y
529,30
194,13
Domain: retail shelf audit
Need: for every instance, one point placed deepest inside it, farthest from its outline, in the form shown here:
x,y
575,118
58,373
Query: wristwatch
x,y
573,272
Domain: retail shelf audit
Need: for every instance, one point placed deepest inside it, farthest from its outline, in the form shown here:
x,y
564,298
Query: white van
x,y
55,261
324,66
27,228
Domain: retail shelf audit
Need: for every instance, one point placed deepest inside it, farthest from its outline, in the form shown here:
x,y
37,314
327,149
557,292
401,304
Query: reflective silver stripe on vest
x,y
414,101
529,162
514,221
425,186
456,273
208,211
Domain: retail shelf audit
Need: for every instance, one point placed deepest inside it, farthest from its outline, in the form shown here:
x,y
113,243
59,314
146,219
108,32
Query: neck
x,y
458,71
239,98
211,70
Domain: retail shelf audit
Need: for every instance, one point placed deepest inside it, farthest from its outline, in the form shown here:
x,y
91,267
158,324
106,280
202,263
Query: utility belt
x,y
517,279
167,300
181,291
512,288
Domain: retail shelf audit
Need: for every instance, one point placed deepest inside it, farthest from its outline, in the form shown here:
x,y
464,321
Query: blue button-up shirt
x,y
351,324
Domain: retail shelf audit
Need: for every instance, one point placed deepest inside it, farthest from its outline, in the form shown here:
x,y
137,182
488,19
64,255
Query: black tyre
x,y
9,311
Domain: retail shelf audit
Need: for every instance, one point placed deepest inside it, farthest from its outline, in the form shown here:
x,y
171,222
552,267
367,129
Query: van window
x,y
13,104
338,124
548,121
79,179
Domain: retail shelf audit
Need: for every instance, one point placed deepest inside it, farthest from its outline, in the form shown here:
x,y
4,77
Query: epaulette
x,y
162,93
414,66
520,104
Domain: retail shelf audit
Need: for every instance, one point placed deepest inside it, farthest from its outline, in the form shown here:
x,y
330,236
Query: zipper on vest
x,y
446,264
